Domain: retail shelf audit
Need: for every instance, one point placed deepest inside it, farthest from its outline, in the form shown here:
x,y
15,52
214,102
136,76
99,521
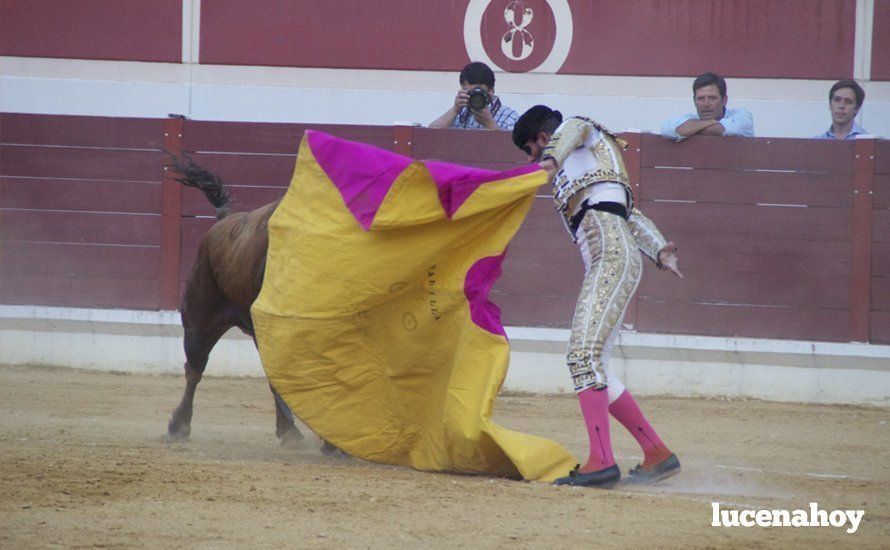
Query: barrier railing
x,y
779,238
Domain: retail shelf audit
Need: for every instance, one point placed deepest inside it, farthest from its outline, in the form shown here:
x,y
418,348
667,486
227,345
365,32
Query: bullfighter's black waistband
x,y
611,207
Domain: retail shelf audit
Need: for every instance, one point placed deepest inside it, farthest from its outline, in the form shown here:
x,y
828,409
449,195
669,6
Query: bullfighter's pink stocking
x,y
595,408
626,411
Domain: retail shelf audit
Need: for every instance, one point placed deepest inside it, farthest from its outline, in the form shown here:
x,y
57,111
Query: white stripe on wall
x,y
191,30
865,15
781,107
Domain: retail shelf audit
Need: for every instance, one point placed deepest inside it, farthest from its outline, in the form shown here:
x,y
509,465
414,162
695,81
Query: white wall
x,y
781,108
649,364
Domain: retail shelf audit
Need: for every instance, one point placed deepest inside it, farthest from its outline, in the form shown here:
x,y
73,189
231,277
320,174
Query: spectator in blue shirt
x,y
484,110
844,101
712,117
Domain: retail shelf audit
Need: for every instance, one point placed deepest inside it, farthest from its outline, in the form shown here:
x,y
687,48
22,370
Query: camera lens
x,y
478,99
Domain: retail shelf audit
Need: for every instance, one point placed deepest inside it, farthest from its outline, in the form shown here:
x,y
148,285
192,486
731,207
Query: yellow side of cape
x,y
368,335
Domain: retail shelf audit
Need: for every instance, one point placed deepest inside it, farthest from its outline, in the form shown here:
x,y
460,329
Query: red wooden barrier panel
x,y
80,222
778,238
764,228
492,150
738,153
272,138
81,195
880,252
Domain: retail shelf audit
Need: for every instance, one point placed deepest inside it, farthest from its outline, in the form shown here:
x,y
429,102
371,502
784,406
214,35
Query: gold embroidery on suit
x,y
648,238
613,268
608,243
606,149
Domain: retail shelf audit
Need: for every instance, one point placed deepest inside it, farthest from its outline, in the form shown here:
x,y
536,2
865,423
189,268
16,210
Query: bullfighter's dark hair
x,y
539,118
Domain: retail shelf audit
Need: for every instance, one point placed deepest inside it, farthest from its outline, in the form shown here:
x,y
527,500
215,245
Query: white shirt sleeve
x,y
738,122
669,127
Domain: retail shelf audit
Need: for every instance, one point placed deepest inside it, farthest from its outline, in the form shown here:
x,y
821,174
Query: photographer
x,y
475,106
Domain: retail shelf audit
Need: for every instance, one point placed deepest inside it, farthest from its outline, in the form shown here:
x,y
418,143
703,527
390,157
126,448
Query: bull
x,y
223,283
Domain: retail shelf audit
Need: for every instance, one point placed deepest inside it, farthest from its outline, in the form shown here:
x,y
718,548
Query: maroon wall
x,y
128,30
774,242
391,34
739,38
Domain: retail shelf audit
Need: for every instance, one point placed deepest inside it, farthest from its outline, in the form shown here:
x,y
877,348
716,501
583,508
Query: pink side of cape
x,y
364,174
480,278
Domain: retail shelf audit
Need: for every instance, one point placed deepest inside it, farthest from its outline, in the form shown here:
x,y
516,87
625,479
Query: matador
x,y
592,193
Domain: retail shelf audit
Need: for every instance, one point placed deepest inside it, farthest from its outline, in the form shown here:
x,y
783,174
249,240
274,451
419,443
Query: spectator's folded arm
x,y
738,122
669,127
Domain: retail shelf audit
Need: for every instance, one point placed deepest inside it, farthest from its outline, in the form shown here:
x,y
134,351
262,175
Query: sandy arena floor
x,y
83,464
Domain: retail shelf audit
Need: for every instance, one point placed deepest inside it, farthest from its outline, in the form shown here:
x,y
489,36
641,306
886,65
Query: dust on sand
x,y
83,463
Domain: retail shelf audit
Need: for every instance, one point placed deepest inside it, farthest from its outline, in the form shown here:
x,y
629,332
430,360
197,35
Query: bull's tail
x,y
194,175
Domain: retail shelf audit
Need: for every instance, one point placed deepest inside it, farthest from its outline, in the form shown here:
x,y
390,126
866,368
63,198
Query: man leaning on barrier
x,y
711,118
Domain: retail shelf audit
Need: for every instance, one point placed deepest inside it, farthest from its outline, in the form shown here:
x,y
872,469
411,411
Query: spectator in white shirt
x,y
712,118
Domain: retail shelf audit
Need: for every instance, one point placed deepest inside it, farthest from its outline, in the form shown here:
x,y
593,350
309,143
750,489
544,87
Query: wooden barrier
x,y
764,226
779,238
80,223
879,304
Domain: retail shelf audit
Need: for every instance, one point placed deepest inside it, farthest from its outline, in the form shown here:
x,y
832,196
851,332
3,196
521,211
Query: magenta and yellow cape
x,y
374,323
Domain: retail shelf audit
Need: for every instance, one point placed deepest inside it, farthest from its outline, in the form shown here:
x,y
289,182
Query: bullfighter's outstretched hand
x,y
667,259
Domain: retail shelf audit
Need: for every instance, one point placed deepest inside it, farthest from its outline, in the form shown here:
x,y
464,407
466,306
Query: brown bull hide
x,y
221,287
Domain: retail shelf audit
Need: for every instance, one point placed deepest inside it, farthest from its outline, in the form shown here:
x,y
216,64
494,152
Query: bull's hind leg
x,y
285,429
197,350
289,434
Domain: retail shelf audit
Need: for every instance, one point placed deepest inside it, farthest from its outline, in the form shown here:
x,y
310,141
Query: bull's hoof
x,y
333,451
176,434
291,437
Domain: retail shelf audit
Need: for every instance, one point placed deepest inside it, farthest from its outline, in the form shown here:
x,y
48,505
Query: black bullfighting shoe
x,y
664,469
604,478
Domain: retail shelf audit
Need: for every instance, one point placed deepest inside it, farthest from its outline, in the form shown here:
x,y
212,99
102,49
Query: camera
x,y
478,98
